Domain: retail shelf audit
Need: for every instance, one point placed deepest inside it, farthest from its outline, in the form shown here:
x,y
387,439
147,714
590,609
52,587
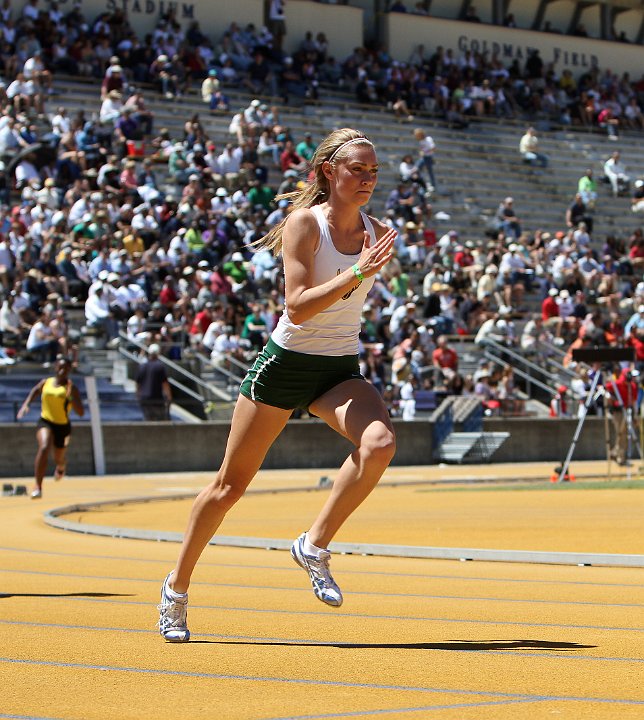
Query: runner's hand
x,y
373,257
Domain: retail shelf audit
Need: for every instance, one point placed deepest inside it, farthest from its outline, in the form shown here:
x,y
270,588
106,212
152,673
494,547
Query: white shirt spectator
x,y
48,196
25,172
447,242
110,109
224,345
40,333
81,270
615,171
6,256
581,237
9,317
211,159
511,261
561,266
61,123
143,220
178,247
565,303
264,265
407,401
221,203
32,67
229,162
19,87
135,294
588,266
215,329
96,308
397,317
78,209
8,137
30,10
135,327
635,322
235,123
407,170
426,146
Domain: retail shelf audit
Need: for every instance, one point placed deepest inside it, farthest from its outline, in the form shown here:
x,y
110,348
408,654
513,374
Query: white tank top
x,y
333,331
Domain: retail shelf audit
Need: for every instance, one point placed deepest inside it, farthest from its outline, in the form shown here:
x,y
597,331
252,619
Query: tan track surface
x,y
414,638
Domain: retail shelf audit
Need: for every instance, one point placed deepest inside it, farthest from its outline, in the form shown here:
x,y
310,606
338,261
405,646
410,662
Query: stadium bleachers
x,y
476,167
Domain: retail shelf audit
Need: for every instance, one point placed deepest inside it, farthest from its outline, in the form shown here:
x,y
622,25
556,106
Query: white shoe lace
x,y
320,568
173,614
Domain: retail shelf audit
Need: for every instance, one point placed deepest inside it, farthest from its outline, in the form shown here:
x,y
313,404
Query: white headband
x,y
350,142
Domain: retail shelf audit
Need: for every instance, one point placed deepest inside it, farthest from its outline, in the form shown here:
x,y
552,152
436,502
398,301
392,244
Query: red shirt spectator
x,y
636,251
625,387
168,294
290,160
634,341
463,258
219,283
202,321
444,356
549,308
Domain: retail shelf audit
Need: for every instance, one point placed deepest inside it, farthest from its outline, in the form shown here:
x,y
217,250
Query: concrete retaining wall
x,y
159,447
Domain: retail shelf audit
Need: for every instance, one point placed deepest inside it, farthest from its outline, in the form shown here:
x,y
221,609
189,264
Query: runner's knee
x,y
378,444
224,495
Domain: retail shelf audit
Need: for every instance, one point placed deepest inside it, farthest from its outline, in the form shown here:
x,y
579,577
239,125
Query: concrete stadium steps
x,y
470,447
475,167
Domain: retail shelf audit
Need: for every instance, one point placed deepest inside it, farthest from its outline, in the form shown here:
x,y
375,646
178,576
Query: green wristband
x,y
357,272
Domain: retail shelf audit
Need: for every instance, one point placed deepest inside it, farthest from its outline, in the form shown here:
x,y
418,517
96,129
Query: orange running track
x,y
415,638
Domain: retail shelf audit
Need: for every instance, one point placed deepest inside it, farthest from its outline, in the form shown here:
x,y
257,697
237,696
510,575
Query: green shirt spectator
x,y
255,330
176,161
86,228
307,147
399,285
236,269
194,240
261,194
587,188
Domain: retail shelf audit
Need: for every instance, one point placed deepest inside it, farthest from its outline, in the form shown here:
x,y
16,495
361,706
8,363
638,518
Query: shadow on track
x,y
72,594
457,645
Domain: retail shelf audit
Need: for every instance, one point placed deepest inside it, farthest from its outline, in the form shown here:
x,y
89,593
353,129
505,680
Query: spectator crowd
x,y
150,232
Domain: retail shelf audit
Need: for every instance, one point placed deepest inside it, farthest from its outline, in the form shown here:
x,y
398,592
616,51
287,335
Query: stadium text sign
x,y
515,51
182,11
405,32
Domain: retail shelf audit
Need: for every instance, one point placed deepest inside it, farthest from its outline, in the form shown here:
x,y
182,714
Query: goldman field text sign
x,y
405,31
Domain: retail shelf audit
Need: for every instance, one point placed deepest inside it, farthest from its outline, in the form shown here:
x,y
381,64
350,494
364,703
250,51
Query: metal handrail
x,y
520,358
529,378
172,381
560,366
178,369
205,360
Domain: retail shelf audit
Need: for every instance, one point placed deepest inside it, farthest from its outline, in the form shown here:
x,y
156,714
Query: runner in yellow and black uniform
x,y
58,396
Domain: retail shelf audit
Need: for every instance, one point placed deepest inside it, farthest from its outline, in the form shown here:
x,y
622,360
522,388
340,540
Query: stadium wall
x,y
347,26
342,24
161,447
403,32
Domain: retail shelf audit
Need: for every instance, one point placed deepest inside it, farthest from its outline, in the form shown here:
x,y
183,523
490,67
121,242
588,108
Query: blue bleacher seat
x,y
116,404
426,400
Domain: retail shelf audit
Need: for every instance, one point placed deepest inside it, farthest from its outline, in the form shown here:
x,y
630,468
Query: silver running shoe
x,y
173,616
324,586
